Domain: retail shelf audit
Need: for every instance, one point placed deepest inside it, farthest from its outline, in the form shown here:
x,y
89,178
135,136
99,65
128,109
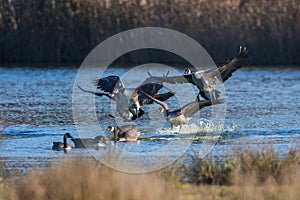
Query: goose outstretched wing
x,y
149,88
225,71
109,83
100,94
164,105
190,109
187,78
164,96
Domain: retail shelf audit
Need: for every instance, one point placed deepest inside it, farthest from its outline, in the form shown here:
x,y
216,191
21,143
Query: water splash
x,y
204,126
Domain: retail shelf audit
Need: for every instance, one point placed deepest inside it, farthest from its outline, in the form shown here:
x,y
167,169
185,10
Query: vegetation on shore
x,y
39,31
249,175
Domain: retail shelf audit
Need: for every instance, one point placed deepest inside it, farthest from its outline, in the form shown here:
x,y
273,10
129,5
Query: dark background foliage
x,y
55,31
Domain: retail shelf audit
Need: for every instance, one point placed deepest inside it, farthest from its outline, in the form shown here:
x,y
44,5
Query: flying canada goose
x,y
183,115
98,142
59,146
206,80
128,100
127,133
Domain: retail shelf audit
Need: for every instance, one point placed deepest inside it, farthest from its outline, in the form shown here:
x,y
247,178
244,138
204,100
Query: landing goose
x,y
183,115
206,80
127,133
97,142
128,100
59,146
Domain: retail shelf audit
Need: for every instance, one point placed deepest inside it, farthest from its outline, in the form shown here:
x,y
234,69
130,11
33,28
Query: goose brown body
x,y
128,133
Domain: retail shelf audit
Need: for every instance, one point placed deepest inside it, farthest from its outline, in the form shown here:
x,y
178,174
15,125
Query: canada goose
x,y
127,133
183,115
206,80
128,100
97,142
59,146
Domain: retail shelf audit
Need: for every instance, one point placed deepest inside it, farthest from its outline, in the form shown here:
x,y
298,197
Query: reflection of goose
x,y
206,80
97,142
127,133
128,100
183,115
59,146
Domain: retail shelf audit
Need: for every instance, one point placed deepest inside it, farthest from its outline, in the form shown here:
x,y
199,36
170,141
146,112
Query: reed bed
x,y
82,179
249,167
66,31
249,175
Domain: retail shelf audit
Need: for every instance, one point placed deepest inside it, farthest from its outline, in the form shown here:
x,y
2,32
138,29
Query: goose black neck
x,y
115,135
65,141
166,113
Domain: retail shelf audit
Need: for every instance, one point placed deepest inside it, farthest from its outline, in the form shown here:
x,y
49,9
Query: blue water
x,y
262,109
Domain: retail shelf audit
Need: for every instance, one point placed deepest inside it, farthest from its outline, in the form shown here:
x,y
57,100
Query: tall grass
x,y
249,175
247,168
65,31
83,179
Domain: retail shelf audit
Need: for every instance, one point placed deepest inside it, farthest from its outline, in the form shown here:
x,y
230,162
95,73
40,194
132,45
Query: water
x,y
262,109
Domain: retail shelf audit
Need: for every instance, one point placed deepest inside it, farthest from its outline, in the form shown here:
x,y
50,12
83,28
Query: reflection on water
x,y
263,107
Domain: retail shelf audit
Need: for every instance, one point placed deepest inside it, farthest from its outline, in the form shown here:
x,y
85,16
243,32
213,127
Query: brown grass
x,y
266,167
248,168
250,175
86,180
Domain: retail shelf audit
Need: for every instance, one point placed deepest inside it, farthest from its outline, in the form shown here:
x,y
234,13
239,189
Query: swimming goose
x,y
128,100
206,80
97,142
59,146
183,115
127,133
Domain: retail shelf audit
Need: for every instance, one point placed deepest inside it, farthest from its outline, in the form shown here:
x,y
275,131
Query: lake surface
x,y
262,109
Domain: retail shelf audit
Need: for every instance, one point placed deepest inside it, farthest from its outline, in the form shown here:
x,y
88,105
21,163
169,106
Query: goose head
x,y
68,135
114,131
111,128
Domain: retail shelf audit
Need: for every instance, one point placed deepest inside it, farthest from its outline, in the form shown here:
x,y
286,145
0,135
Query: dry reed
x,y
84,179
248,168
250,175
66,31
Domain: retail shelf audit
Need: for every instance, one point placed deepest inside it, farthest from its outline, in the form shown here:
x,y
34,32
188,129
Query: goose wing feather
x,y
109,83
96,93
187,78
190,109
165,106
225,71
149,88
127,128
164,96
